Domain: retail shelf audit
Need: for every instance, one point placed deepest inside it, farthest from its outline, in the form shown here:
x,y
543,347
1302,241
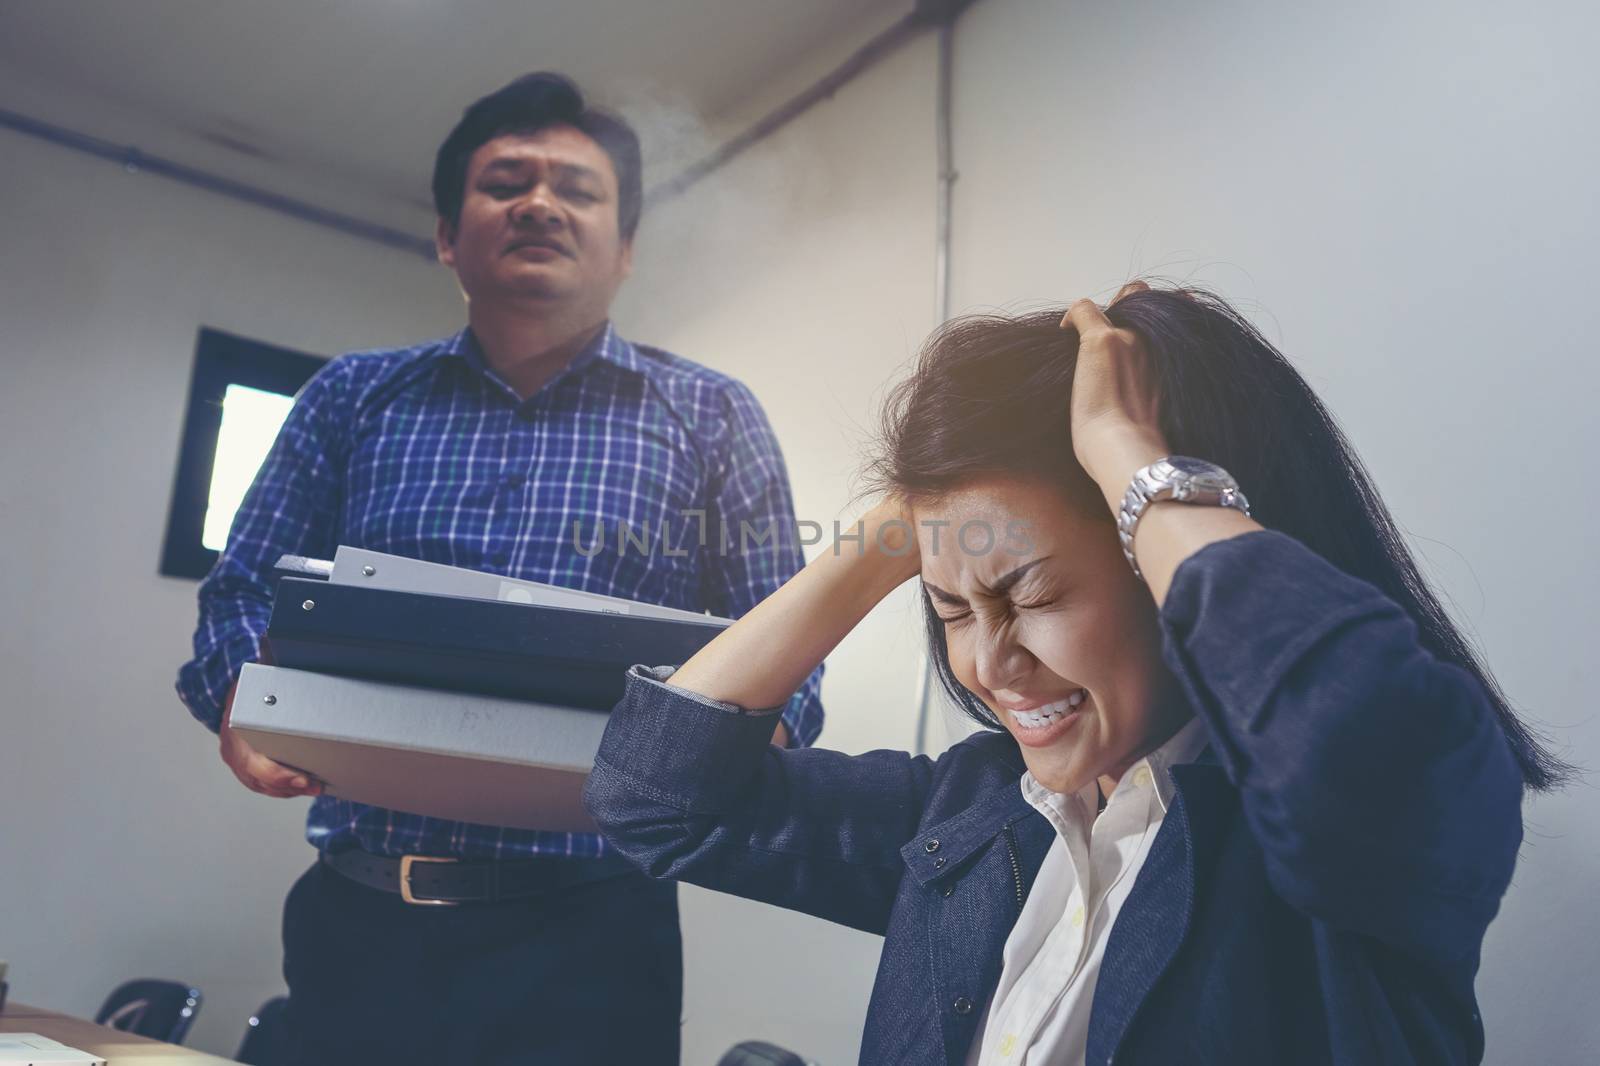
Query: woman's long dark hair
x,y
990,396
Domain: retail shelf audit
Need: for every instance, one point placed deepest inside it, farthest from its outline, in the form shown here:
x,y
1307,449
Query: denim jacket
x,y
1318,892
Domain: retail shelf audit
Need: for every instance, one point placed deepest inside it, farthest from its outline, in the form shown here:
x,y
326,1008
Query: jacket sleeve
x,y
691,789
1375,777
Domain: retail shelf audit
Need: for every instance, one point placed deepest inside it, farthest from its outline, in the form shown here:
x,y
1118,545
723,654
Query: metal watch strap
x,y
1162,480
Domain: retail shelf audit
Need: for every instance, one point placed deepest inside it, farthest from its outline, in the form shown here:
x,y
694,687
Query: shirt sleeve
x,y
752,543
292,507
1375,777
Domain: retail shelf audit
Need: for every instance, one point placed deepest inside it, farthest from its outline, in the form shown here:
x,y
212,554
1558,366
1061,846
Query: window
x,y
239,394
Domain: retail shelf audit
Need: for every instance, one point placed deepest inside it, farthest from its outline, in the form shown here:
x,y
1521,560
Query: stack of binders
x,y
449,692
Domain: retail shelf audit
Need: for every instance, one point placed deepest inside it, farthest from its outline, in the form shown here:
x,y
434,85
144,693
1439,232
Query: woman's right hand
x,y
893,530
764,657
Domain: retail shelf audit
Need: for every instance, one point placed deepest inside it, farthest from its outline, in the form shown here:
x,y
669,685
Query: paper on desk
x,y
21,1048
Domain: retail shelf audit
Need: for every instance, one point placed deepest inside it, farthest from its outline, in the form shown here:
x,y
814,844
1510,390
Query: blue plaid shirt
x,y
622,475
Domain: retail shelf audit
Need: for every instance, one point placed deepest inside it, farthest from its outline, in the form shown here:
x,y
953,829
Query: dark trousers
x,y
591,973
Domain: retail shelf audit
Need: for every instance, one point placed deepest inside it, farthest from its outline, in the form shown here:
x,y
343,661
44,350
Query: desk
x,y
115,1047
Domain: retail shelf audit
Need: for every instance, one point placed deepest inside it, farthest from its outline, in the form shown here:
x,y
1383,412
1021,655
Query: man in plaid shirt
x,y
539,444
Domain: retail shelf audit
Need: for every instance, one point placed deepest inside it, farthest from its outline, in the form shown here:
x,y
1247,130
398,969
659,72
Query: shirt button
x,y
1077,917
1141,776
931,846
962,1005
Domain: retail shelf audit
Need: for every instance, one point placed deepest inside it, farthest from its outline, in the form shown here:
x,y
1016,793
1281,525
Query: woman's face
x,y
1049,628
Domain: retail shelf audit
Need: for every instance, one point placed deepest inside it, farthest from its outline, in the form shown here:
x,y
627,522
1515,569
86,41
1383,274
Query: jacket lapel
x,y
1155,919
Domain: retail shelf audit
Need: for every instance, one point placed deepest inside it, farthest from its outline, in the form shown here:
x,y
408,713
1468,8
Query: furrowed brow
x,y
1002,586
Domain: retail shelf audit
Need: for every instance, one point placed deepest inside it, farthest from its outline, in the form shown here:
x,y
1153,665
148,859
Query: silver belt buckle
x,y
408,861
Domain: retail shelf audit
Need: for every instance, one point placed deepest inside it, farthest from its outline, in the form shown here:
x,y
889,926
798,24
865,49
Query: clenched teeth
x,y
1040,717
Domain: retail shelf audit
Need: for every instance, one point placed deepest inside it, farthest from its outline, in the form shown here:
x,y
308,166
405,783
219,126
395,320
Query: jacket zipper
x,y
1016,867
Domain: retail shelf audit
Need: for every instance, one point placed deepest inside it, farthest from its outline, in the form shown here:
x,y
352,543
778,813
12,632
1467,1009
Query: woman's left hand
x,y
1115,430
1115,434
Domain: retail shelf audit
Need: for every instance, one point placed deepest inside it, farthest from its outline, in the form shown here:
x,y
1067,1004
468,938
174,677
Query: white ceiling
x,y
348,99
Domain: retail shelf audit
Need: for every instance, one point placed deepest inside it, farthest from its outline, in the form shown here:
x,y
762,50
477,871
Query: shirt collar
x,y
607,345
1184,747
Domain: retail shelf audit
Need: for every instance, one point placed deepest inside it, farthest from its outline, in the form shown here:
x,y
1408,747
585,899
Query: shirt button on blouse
x,y
1077,917
1141,776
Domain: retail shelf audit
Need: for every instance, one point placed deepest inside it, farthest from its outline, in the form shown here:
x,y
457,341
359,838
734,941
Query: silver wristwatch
x,y
1178,478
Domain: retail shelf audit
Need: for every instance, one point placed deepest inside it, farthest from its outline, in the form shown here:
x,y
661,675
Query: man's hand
x,y
257,772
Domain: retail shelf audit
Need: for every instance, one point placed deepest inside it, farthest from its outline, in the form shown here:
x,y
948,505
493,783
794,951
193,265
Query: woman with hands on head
x,y
1243,793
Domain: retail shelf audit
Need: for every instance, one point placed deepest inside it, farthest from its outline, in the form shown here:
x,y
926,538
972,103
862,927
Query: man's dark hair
x,y
531,103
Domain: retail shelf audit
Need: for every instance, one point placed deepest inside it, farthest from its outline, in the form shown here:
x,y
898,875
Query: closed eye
x,y
964,616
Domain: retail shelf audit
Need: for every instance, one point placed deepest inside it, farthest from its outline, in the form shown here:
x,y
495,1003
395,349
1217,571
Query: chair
x,y
760,1053
266,1042
160,1010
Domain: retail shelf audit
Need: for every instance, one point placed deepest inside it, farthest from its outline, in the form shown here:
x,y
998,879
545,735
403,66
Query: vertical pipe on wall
x,y
946,177
926,686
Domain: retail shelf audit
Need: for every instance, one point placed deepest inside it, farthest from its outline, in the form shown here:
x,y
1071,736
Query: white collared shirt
x,y
1039,1012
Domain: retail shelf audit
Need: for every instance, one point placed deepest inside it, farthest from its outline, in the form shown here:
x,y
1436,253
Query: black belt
x,y
439,882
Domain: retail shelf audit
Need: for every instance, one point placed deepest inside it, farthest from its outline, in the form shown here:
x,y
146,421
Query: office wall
x,y
129,849
1403,195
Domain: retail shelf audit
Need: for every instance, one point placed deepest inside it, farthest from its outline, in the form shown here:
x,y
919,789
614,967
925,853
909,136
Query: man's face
x,y
539,224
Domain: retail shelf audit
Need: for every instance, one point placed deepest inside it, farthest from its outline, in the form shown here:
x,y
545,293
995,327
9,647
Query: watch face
x,y
1186,480
1197,468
